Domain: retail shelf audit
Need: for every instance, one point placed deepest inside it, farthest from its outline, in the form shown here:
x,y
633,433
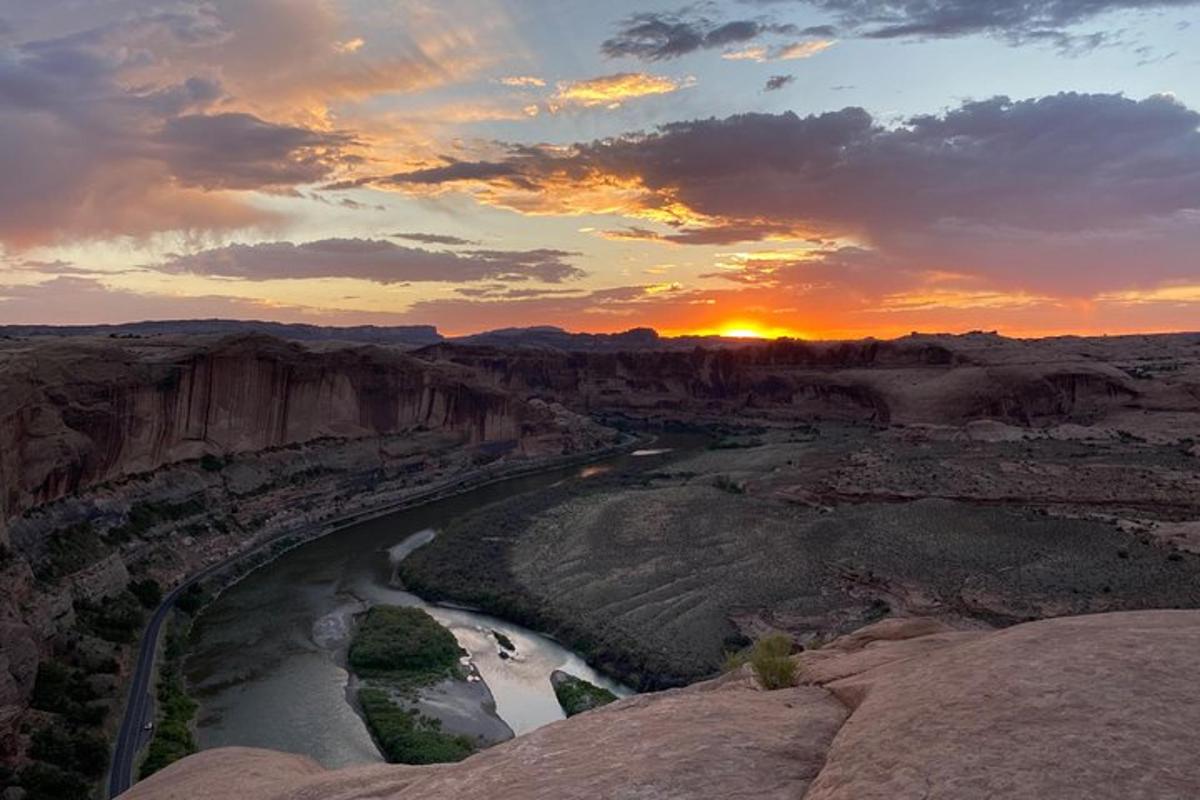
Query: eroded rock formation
x,y
1098,707
160,456
947,380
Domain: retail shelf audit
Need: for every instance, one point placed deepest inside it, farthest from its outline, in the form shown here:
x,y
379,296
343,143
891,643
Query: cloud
x,y
433,238
782,52
70,300
777,82
656,36
85,154
241,151
1015,21
1068,184
1174,293
135,117
522,80
378,261
611,91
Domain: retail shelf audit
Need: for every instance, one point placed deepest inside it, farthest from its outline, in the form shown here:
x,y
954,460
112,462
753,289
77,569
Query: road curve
x,y
139,707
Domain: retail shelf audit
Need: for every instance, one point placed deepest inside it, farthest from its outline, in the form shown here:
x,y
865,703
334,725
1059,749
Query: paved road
x,y
139,708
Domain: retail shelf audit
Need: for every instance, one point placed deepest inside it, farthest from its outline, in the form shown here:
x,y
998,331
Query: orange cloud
x,y
522,80
786,52
611,91
1173,293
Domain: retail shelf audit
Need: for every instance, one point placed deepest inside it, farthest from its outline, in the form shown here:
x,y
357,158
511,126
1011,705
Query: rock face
x,y
1098,707
947,380
74,413
160,456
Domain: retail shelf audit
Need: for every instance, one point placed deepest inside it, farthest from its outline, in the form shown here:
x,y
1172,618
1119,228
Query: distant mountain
x,y
551,338
542,337
409,335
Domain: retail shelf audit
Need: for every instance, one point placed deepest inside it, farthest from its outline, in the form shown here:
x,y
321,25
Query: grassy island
x,y
576,695
397,650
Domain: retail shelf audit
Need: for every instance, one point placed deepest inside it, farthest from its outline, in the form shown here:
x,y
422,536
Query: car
x,y
149,726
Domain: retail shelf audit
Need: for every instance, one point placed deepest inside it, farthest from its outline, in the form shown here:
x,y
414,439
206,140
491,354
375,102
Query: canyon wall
x,y
938,380
130,458
75,413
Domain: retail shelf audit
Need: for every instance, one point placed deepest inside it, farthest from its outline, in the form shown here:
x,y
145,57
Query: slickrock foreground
x,y
1092,707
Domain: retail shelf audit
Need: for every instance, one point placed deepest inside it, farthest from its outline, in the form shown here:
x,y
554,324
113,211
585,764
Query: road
x,y
139,708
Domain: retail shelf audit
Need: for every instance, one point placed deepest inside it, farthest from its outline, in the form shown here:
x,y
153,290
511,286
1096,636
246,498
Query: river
x,y
266,658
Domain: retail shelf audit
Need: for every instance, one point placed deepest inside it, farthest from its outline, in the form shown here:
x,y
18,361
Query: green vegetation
x,y
405,648
63,689
144,516
211,463
69,551
43,781
408,641
406,737
172,735
192,600
116,619
770,658
71,749
576,695
727,484
148,592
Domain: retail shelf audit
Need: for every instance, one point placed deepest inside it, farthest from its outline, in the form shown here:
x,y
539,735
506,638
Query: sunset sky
x,y
819,168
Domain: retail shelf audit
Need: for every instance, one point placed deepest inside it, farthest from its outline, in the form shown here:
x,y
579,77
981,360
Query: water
x,y
265,658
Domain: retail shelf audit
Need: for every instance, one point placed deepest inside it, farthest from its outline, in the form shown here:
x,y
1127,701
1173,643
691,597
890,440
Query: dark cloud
x,y
433,238
654,36
1046,175
87,152
373,260
777,82
241,151
455,170
71,300
1016,21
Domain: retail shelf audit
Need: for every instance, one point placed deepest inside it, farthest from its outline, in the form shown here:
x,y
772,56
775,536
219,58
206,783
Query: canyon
x,y
956,487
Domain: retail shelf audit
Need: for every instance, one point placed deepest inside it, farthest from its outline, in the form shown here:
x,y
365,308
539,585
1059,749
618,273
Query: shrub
x,y
117,619
147,591
172,736
47,782
406,737
211,463
77,751
50,686
727,484
192,600
576,695
398,639
771,662
69,551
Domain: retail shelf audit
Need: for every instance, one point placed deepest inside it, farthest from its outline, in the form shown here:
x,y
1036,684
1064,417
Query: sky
x,y
810,168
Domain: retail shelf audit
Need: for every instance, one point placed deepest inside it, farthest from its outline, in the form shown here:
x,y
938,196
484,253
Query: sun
x,y
749,329
742,333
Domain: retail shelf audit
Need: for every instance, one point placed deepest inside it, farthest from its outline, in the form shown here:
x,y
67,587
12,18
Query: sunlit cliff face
x,y
814,168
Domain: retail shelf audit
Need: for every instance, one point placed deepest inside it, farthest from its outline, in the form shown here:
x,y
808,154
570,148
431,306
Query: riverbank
x,y
221,576
398,655
469,563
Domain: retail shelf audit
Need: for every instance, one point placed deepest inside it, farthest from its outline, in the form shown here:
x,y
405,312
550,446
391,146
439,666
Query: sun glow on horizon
x,y
746,329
